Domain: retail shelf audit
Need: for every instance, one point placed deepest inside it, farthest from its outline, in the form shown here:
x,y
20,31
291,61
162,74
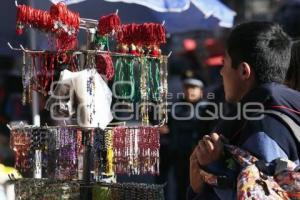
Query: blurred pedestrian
x,y
185,128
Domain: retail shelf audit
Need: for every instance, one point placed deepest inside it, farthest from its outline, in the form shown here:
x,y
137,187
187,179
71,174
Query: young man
x,y
255,64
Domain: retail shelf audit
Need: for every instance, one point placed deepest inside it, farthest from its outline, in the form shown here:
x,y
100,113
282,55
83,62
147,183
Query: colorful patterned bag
x,y
278,180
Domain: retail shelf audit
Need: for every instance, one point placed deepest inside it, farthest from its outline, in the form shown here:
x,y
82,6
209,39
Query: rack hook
x,y
9,127
12,48
22,47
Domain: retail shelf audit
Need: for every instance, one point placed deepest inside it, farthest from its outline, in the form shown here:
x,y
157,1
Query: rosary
x,y
136,150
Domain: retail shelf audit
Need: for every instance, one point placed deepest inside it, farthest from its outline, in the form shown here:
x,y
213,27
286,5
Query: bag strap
x,y
293,126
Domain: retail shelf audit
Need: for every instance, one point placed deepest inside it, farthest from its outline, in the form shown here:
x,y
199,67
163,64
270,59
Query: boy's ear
x,y
245,70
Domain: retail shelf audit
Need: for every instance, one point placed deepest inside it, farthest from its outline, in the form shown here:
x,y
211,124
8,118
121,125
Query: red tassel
x,y
66,42
152,34
60,12
19,31
142,34
65,39
155,53
108,23
105,66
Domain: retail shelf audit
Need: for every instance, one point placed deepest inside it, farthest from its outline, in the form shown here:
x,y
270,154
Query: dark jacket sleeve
x,y
208,193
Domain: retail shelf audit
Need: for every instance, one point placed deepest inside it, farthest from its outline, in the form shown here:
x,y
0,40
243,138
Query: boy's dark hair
x,y
264,46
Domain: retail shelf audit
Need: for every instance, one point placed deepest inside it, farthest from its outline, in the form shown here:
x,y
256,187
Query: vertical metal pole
x,y
86,193
90,37
35,98
35,107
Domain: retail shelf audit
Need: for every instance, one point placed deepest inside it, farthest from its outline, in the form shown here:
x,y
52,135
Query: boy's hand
x,y
209,149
